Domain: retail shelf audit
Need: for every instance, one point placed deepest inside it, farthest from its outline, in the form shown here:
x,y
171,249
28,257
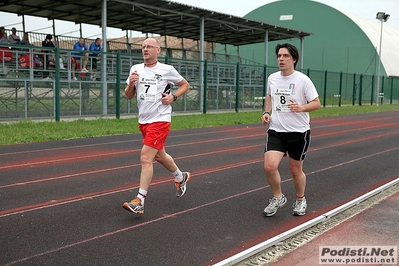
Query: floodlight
x,y
381,16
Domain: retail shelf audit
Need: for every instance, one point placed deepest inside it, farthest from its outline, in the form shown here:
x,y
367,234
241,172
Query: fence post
x,y
118,86
264,86
382,89
391,91
237,86
57,84
325,89
372,90
354,89
340,90
205,85
360,89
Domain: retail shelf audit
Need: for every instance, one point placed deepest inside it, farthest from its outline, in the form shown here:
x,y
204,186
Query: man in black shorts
x,y
291,95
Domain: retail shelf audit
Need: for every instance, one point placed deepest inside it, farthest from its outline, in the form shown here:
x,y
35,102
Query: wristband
x,y
266,113
174,97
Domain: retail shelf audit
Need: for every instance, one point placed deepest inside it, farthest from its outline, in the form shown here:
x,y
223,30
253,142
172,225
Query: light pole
x,y
382,17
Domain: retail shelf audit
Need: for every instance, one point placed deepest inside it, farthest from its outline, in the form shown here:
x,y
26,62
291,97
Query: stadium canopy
x,y
166,18
157,17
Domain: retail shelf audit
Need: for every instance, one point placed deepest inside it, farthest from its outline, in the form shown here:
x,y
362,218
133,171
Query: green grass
x,y
30,131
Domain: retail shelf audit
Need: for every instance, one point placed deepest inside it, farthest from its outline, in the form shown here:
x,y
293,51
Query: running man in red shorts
x,y
151,83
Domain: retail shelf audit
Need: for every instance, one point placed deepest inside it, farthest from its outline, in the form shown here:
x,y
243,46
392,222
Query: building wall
x,y
338,44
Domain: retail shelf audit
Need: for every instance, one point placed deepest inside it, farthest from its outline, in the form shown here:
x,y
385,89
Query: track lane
x,y
230,198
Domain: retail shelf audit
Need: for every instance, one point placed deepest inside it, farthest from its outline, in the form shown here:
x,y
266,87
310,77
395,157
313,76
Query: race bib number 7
x,y
147,89
281,99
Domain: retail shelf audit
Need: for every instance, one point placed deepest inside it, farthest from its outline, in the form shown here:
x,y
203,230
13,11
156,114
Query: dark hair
x,y
291,49
49,36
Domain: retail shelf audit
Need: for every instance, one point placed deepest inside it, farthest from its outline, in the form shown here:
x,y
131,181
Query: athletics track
x,y
61,201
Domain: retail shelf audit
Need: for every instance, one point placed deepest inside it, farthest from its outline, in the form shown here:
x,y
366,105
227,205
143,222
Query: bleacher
x,y
26,93
30,61
171,46
33,62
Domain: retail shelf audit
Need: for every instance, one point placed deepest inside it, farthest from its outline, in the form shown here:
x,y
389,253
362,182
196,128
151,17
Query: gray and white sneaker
x,y
181,186
299,207
274,205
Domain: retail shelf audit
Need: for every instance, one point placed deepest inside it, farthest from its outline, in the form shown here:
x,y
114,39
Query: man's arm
x,y
130,91
310,106
184,86
268,103
265,118
181,90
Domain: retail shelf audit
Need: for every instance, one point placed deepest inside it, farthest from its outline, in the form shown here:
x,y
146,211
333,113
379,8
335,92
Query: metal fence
x,y
24,94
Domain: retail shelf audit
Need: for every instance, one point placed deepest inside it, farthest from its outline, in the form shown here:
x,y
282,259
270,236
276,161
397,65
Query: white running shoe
x,y
274,205
299,207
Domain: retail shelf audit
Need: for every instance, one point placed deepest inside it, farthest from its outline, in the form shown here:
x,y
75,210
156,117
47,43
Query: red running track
x,y
61,202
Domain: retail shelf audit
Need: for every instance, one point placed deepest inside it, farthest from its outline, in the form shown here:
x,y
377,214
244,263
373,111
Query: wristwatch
x,y
174,97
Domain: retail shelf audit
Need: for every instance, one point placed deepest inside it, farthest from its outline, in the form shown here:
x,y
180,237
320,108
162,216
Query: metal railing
x,y
24,94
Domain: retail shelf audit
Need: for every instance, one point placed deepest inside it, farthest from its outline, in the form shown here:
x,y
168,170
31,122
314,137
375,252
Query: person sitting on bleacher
x,y
4,38
47,57
14,38
96,47
80,45
25,39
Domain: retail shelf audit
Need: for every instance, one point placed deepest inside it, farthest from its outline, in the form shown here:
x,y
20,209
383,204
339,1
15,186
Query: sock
x,y
279,197
142,195
178,175
300,198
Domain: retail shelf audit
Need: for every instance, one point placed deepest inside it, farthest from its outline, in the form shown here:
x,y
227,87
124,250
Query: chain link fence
x,y
37,83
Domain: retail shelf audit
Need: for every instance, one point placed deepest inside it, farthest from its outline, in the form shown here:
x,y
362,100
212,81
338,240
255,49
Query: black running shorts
x,y
296,144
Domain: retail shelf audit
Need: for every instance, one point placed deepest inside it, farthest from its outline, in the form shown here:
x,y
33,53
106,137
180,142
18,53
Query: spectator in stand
x,y
2,31
47,55
25,39
25,58
80,45
14,38
4,38
96,47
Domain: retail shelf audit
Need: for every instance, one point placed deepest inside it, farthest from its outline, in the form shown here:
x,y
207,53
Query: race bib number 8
x,y
281,99
147,89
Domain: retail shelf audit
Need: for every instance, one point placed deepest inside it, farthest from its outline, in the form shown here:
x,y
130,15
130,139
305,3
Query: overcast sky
x,y
363,8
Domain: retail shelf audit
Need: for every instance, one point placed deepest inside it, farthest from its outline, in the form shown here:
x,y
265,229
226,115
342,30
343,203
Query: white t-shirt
x,y
297,87
152,82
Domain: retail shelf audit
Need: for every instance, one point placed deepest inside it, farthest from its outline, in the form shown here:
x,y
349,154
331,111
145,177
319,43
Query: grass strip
x,y
28,131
